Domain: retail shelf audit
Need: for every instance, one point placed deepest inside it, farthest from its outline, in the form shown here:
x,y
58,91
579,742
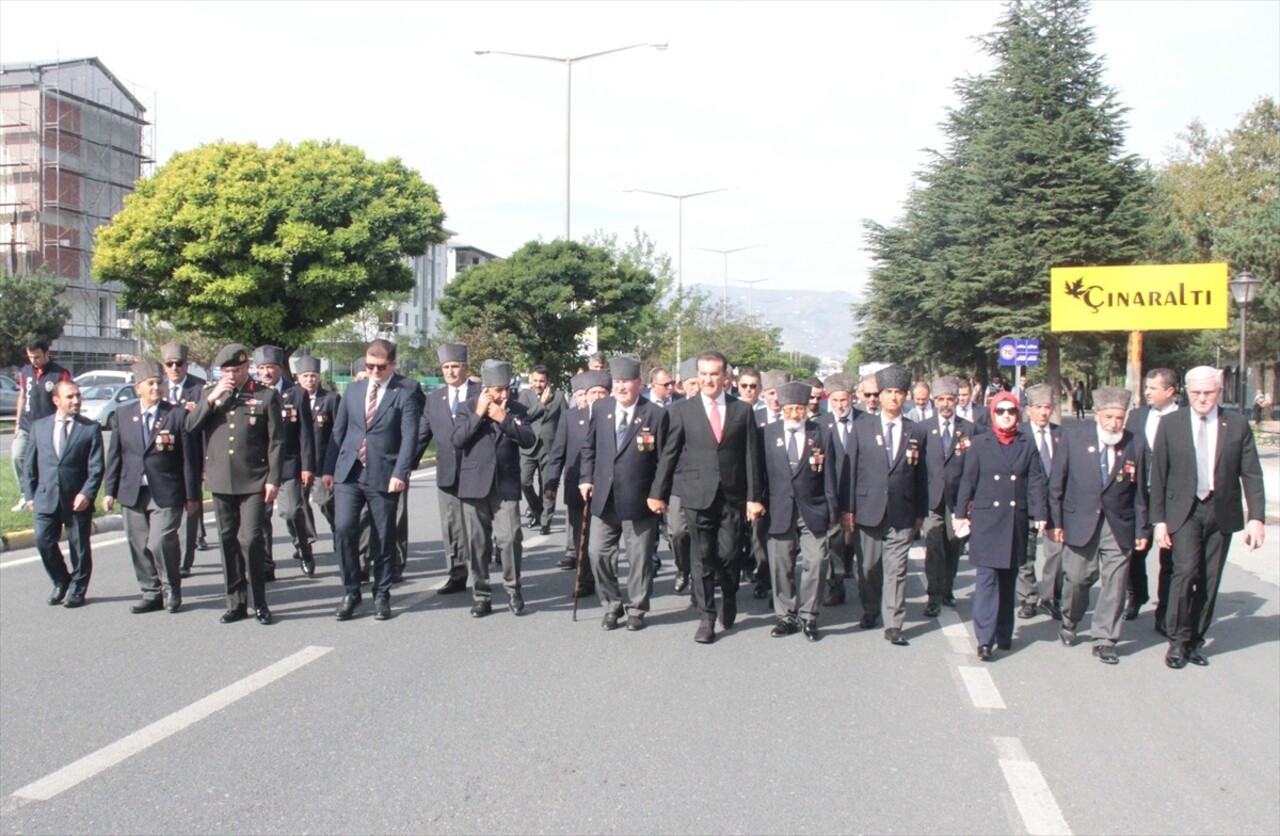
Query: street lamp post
x,y
679,199
724,308
751,287
568,107
1243,287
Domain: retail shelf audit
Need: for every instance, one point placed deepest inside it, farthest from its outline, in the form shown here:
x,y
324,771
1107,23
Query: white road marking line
x,y
112,754
19,562
1039,809
957,632
981,687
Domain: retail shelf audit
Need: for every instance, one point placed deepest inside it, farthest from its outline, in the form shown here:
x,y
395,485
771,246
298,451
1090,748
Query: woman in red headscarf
x,y
1003,489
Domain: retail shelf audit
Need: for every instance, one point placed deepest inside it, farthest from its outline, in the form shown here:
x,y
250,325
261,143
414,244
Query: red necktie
x,y
717,425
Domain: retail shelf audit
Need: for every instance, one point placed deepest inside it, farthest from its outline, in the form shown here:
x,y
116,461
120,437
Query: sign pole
x,y
1133,366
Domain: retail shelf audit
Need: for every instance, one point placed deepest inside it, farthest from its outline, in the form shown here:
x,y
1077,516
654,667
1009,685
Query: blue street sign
x,y
1008,352
1019,352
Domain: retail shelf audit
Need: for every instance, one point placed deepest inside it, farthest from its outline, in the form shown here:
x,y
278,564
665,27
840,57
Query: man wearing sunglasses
x,y
182,388
368,463
662,388
840,543
868,393
1047,437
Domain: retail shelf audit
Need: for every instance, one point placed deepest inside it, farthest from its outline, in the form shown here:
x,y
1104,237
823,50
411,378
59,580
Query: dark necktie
x,y
946,438
793,448
621,432
368,419
1104,465
1046,458
147,418
888,442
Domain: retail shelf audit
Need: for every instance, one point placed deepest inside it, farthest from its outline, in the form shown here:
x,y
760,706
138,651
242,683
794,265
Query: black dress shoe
x,y
397,577
784,628
175,604
567,563
1130,613
452,586
74,599
308,566
202,544
760,592
1027,611
546,529
347,608
894,636
364,576
706,631
269,576
635,623
516,603
1175,659
810,627
729,611
57,596
1003,646
1160,629
263,615
610,620
381,608
481,608
184,573
835,597
682,581
932,610
1067,637
1054,608
1106,654
984,652
234,614
949,601
1195,657
586,590
868,621
147,605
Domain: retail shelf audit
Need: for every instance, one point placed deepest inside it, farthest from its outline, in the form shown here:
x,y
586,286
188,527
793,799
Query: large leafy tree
x,y
1033,176
267,245
543,299
29,310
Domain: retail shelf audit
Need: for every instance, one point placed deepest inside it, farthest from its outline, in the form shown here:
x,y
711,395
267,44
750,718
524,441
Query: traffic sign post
x,y
1018,352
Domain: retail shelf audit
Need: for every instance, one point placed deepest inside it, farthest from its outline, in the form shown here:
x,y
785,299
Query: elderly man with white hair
x,y
1203,457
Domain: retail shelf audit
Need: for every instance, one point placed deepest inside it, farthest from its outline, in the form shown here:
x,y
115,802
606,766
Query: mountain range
x,y
814,322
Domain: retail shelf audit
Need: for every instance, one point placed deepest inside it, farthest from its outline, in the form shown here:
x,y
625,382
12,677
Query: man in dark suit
x,y
565,464
1046,436
36,382
438,418
1202,458
662,388
949,437
324,414
490,432
619,459
61,479
1160,389
544,406
868,393
1098,502
242,440
713,440
841,544
153,469
798,454
368,462
890,501
297,459
754,557
182,388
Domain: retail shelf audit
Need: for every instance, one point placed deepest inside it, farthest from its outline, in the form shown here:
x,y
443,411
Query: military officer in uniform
x,y
297,459
324,410
153,469
243,442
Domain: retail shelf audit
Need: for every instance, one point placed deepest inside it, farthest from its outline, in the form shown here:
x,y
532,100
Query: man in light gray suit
x,y
544,405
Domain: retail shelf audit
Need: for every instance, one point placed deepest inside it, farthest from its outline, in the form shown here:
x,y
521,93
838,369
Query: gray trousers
x,y
453,535
323,497
18,455
492,524
1049,587
640,538
191,530
882,572
678,535
941,554
289,507
841,549
813,570
154,546
540,507
1102,558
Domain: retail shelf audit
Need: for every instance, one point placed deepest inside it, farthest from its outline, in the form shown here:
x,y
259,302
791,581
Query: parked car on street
x,y
8,395
102,377
101,402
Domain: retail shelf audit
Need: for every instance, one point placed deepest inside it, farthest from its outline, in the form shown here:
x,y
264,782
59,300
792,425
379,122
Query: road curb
x,y
26,538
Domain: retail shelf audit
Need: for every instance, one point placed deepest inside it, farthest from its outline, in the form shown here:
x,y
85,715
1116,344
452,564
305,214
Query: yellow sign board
x,y
1160,297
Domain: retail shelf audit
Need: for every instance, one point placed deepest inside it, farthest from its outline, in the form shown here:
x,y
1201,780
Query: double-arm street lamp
x,y
724,310
679,199
1243,287
751,287
568,108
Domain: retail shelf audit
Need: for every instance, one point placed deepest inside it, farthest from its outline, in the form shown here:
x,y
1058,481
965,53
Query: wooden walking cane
x,y
582,543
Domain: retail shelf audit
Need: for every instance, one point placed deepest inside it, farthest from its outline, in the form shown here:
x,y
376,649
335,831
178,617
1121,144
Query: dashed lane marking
x,y
1040,812
981,687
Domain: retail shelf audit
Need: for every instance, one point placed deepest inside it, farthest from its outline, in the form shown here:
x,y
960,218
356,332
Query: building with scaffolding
x,y
75,140
432,272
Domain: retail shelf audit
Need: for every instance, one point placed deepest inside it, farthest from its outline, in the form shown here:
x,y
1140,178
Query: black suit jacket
x,y
945,468
898,495
52,481
299,451
841,460
624,473
810,487
437,423
324,413
733,466
1078,497
565,459
544,420
1173,472
490,453
171,462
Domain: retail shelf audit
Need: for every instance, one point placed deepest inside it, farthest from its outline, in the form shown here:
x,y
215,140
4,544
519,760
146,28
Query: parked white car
x,y
101,402
102,377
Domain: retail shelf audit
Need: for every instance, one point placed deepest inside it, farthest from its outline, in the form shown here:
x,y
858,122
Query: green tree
x,y
541,301
1033,176
267,245
29,310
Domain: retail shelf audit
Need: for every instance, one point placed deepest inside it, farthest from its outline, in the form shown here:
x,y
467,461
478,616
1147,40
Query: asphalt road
x,y
437,722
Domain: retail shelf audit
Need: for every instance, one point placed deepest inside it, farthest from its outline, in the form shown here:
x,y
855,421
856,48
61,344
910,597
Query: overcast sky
x,y
817,114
